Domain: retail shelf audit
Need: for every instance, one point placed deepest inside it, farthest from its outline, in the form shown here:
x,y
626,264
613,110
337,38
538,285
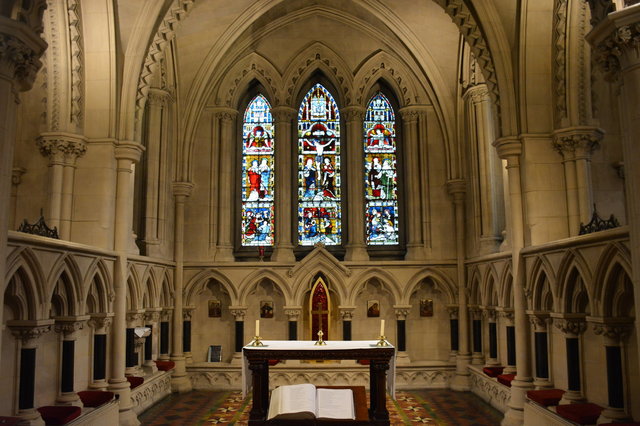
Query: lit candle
x,y
381,327
258,328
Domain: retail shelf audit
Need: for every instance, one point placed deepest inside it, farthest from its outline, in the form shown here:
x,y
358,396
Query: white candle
x,y
381,327
258,328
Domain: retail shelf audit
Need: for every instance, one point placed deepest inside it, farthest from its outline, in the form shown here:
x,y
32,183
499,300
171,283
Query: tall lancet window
x,y
381,180
319,219
257,174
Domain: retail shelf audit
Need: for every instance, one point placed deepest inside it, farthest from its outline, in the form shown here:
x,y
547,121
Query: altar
x,y
381,370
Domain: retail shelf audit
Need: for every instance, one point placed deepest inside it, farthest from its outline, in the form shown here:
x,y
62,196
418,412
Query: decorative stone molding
x,y
509,148
615,330
611,48
62,147
402,311
489,389
577,142
131,151
68,326
101,322
238,312
182,189
293,312
457,189
346,312
151,391
560,59
29,331
477,93
74,13
572,326
453,311
20,55
29,13
159,97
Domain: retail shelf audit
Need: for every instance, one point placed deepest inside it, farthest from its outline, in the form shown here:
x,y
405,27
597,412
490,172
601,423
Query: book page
x,y
293,399
335,404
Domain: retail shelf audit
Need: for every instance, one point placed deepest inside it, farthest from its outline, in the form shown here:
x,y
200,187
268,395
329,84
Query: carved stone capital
x,y
410,114
152,315
457,189
128,151
538,321
353,113
402,311
182,189
134,318
614,330
166,314
101,322
238,312
225,115
346,312
20,51
477,94
293,312
29,331
507,315
509,148
158,97
16,175
489,314
453,311
475,312
284,114
572,326
68,326
187,313
613,41
577,142
62,147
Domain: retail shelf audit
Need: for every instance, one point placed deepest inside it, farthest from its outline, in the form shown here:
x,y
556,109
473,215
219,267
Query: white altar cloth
x,y
310,345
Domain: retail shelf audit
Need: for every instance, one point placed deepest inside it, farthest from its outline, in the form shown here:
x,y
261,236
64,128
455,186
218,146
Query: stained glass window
x,y
257,174
381,180
319,218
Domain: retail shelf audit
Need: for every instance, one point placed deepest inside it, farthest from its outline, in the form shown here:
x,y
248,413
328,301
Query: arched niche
x,y
212,322
428,325
265,302
365,323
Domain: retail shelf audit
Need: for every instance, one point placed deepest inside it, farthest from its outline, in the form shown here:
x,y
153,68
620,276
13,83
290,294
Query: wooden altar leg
x,y
378,412
260,380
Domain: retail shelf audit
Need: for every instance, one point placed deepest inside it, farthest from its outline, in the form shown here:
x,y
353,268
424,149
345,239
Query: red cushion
x,y
273,362
583,414
165,365
95,398
9,421
364,362
493,371
506,379
620,424
546,397
59,414
135,381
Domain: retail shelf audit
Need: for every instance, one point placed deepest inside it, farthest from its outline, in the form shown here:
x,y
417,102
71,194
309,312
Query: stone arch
x,y
386,280
166,291
21,296
34,300
614,256
63,298
134,291
474,288
441,281
505,289
313,58
574,276
252,280
200,280
306,277
489,293
66,272
542,295
98,288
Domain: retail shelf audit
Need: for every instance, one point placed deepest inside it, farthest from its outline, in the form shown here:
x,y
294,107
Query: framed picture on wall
x,y
215,353
426,307
266,309
373,308
215,308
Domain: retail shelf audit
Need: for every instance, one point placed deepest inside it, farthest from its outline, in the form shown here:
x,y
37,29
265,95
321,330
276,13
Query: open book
x,y
308,402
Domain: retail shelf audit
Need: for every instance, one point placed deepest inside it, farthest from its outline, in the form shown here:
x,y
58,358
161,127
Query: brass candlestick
x,y
256,341
320,342
382,341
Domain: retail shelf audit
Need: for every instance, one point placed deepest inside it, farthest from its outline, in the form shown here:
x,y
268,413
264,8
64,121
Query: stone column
x,y
126,154
154,217
490,315
293,314
179,380
68,328
614,332
572,326
457,190
477,357
402,312
510,149
100,322
576,144
346,313
16,180
151,318
165,339
283,118
134,319
238,313
186,334
453,332
615,48
356,245
28,332
510,338
20,49
411,135
226,119
541,348
63,149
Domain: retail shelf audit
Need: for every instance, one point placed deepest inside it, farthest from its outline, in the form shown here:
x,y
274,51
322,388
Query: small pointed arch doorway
x,y
321,312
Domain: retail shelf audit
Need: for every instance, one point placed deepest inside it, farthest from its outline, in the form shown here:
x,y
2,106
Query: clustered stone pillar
x,y
453,331
614,333
346,313
20,49
402,312
572,326
457,189
238,313
226,119
356,247
541,348
100,323
510,149
63,149
179,380
28,332
151,318
283,251
293,314
510,339
126,154
576,145
490,315
68,327
477,357
165,317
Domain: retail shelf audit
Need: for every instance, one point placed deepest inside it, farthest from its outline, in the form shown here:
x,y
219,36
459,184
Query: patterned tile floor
x,y
420,407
